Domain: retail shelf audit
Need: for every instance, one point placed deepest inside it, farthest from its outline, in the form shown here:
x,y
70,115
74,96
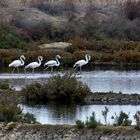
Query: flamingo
x,y
17,63
34,65
52,63
82,62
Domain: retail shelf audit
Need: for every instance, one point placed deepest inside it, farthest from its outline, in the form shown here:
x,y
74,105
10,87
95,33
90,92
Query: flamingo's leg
x,y
75,68
17,70
52,69
25,72
33,71
46,68
13,70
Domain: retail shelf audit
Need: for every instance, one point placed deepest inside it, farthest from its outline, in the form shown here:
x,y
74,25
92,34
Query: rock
x,y
11,125
56,45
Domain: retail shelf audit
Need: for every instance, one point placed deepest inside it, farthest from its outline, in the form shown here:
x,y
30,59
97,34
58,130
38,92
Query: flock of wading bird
x,y
50,64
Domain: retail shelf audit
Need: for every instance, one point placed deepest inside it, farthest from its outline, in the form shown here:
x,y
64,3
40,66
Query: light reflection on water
x,y
97,80
54,114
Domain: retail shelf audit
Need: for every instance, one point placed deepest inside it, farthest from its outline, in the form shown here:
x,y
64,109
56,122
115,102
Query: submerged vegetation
x,y
63,89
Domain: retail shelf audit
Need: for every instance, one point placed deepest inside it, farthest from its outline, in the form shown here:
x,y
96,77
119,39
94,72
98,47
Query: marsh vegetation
x,y
63,89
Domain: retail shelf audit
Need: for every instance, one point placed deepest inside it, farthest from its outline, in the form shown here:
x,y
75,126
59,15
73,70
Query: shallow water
x,y
54,114
97,80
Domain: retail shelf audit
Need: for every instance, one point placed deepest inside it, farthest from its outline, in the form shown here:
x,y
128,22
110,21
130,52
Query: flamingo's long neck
x,y
39,60
22,61
86,58
58,63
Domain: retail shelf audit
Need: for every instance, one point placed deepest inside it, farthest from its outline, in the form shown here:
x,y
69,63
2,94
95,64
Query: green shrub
x,y
28,118
91,122
10,39
32,92
12,113
9,113
66,89
104,113
62,89
80,124
122,119
137,118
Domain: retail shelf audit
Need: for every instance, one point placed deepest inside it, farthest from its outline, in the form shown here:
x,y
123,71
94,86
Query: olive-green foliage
x,y
28,118
137,118
9,110
119,51
104,46
102,50
104,113
66,88
80,124
8,55
62,89
122,119
10,39
13,113
9,113
91,122
33,93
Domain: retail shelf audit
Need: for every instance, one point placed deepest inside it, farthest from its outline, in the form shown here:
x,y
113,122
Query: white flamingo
x,y
53,63
34,65
82,62
17,63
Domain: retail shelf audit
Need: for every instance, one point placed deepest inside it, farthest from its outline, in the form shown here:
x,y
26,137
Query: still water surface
x,y
54,114
97,80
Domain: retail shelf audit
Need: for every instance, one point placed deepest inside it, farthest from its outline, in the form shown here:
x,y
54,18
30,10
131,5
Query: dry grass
x,y
107,130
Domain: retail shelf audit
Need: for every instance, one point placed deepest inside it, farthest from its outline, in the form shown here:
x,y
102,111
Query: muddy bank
x,y
63,132
111,98
103,98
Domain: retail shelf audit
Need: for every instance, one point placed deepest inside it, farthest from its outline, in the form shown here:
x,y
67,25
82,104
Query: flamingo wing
x,y
50,63
32,65
79,63
15,63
